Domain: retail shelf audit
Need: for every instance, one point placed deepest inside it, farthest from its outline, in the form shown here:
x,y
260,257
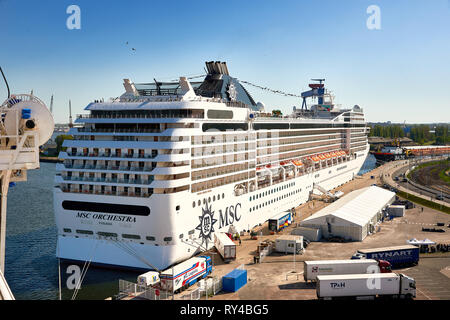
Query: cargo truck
x,y
225,246
312,269
365,286
280,221
185,274
399,256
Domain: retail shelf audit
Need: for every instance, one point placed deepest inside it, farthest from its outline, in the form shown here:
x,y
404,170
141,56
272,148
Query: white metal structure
x,y
353,216
25,124
166,165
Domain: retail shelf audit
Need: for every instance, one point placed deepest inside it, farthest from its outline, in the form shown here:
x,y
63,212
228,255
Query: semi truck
x,y
312,269
185,274
280,221
365,286
399,256
225,246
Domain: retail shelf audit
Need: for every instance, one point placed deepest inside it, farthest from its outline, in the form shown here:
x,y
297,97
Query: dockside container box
x,y
308,233
235,280
289,243
396,210
225,246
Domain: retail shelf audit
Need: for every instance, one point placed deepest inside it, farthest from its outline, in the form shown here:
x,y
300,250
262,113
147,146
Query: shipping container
x,y
289,244
311,234
225,246
398,256
234,280
312,269
365,286
186,273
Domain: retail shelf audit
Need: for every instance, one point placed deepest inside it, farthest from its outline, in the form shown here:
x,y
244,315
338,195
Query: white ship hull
x,y
235,210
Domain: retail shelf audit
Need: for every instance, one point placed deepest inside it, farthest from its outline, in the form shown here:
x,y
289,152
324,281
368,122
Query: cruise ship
x,y
150,176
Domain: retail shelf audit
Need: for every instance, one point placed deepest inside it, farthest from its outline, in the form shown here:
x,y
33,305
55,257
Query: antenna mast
x,y
70,115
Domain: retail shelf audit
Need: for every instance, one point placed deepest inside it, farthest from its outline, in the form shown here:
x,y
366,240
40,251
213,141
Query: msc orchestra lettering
x,y
105,217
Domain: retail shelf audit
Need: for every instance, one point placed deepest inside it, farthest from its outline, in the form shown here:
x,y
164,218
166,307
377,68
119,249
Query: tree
x,y
277,113
59,141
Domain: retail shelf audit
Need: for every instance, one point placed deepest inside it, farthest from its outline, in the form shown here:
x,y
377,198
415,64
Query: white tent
x,y
354,216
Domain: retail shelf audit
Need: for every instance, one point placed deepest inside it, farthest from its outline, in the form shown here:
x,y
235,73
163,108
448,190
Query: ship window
x,y
193,204
220,114
177,208
150,238
223,195
209,199
224,127
181,236
67,230
167,239
131,236
270,126
107,234
106,208
84,232
214,198
199,202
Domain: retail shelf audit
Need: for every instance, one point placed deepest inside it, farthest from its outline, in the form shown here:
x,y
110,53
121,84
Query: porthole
x,y
193,204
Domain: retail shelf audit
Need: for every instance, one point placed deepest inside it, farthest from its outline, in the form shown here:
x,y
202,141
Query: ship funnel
x,y
217,67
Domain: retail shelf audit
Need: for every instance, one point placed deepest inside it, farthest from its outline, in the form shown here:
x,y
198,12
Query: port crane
x,y
25,125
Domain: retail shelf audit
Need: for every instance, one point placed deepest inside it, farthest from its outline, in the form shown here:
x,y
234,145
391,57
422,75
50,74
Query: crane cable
x,y
6,82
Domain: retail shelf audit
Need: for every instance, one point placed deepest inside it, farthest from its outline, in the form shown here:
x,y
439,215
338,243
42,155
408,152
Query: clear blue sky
x,y
398,73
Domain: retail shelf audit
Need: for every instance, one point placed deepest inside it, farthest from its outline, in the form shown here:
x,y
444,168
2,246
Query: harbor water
x,y
31,265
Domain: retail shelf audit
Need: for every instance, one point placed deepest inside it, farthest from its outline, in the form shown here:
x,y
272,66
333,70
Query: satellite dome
x,y
260,106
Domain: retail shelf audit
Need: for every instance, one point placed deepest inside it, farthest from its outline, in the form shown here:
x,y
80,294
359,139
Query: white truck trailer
x,y
312,269
186,273
148,279
289,244
365,286
225,246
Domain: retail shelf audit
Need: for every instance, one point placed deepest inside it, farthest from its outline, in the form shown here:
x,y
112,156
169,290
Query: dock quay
x,y
280,276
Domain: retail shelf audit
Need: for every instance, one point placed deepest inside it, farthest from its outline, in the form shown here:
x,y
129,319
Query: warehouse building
x,y
354,216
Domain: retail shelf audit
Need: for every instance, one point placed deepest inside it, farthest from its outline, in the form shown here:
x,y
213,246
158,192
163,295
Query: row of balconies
x,y
225,139
108,180
143,193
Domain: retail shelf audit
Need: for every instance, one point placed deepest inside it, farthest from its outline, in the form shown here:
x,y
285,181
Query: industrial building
x,y
354,216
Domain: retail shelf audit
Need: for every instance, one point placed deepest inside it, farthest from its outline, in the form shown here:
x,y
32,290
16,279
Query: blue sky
x,y
401,72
